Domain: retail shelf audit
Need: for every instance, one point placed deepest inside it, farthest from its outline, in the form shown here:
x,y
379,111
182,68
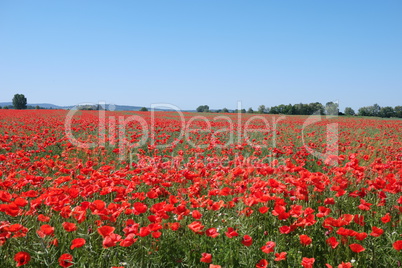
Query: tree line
x,y
330,108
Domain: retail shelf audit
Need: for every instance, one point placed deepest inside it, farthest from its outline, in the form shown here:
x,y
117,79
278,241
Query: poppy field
x,y
164,189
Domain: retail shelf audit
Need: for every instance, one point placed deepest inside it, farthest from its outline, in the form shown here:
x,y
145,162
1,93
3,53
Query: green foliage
x,y
19,101
331,108
203,109
143,109
398,111
387,112
262,109
349,111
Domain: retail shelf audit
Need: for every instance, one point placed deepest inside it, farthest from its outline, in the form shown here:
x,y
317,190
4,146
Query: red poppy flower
x,y
77,243
206,257
212,232
69,226
284,229
196,226
111,240
268,247
139,208
397,245
364,205
357,248
45,230
105,230
280,256
247,240
305,240
332,242
361,236
231,232
308,262
128,241
43,218
386,218
345,265
376,231
262,264
66,260
22,258
196,214
263,210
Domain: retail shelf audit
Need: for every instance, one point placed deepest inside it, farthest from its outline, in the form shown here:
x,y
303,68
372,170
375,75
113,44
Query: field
x,y
163,189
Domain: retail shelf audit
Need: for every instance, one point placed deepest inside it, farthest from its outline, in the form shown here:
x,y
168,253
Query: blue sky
x,y
190,53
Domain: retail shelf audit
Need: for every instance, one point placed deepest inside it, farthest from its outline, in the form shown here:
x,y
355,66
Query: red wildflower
x,y
263,210
22,258
196,226
212,232
231,232
268,247
263,263
139,208
364,205
66,260
77,243
332,242
128,241
69,226
284,229
308,262
386,218
111,240
247,240
357,248
397,245
305,240
280,256
345,265
45,230
376,231
43,218
206,257
105,230
196,214
361,236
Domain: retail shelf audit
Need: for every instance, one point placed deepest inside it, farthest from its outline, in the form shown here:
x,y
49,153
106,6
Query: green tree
x,y
274,110
225,110
376,109
262,109
349,111
332,108
250,110
398,111
364,111
203,109
144,109
387,112
315,108
19,101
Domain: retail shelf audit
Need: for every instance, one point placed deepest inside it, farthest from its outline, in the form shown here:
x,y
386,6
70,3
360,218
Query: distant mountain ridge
x,y
53,106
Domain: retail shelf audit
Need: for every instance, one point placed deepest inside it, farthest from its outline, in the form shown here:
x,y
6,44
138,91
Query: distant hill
x,y
43,105
53,106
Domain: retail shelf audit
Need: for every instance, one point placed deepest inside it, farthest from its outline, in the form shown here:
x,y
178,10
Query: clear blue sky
x,y
190,53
